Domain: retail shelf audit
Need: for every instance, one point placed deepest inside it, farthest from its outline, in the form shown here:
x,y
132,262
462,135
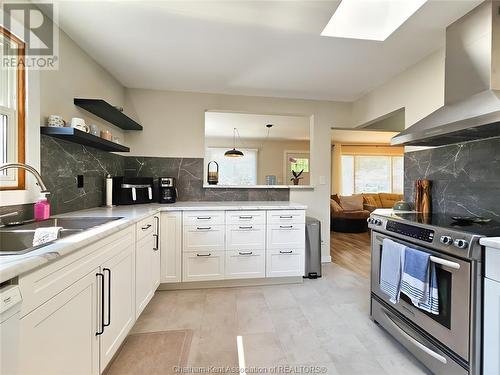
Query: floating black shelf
x,y
82,138
107,112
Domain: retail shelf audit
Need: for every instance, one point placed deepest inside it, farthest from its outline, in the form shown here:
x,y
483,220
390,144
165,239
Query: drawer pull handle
x,y
246,217
247,253
203,228
203,217
286,226
7,300
203,255
286,252
286,217
246,227
146,227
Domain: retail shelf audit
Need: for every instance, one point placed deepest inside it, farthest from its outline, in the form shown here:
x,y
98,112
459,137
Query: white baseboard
x,y
326,259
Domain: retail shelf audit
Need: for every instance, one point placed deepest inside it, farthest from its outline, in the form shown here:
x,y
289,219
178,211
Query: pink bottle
x,y
42,208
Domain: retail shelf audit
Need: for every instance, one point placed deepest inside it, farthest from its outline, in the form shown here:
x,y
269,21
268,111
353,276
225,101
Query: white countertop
x,y
14,265
490,242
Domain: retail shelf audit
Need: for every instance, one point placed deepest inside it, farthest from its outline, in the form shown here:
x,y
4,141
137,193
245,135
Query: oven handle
x,y
441,261
415,342
445,262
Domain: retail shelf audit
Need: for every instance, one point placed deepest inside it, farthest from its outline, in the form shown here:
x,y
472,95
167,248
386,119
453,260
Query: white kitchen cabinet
x,y
491,341
245,264
246,237
147,263
171,247
143,273
285,262
280,236
204,237
156,260
59,337
119,302
203,266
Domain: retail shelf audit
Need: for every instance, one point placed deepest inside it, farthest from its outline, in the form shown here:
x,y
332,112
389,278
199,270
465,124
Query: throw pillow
x,y
351,202
334,206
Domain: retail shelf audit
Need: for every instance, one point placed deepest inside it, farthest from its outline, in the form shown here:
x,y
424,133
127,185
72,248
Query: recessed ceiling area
x,y
253,126
361,136
262,48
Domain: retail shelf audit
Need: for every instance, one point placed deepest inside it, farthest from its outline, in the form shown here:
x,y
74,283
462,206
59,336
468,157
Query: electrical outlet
x,y
79,181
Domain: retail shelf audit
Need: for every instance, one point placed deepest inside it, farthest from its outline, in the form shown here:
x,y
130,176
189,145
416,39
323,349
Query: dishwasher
x,y
10,314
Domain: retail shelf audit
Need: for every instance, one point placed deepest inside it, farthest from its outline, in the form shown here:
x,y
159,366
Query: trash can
x,y
313,248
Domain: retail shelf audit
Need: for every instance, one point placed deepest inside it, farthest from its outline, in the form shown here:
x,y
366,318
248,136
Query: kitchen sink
x,y
18,239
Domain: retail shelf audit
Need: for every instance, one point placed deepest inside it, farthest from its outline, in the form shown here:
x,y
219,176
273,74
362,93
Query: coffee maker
x,y
168,191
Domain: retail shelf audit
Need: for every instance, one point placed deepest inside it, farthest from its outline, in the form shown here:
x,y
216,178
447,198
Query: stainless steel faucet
x,y
30,169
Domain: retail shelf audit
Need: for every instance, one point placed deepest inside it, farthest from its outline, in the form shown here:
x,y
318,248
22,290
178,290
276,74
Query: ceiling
x,y
263,48
253,126
362,136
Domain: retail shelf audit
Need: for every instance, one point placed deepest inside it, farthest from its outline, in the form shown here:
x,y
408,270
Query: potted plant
x,y
296,177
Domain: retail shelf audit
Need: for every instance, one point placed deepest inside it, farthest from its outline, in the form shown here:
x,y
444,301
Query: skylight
x,y
370,19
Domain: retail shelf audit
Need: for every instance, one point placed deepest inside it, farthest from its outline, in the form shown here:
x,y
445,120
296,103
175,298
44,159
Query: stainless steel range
x,y
450,342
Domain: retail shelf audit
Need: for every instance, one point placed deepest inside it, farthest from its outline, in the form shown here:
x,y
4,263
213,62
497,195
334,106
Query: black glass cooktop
x,y
489,229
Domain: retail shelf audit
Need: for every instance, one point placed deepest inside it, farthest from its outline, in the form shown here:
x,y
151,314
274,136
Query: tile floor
x,y
322,322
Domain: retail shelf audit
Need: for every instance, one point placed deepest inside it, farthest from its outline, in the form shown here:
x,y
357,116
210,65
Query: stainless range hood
x,y
472,84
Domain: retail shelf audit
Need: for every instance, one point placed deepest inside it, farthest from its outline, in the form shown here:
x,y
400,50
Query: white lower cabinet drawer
x,y
285,262
245,264
203,237
203,265
280,236
244,237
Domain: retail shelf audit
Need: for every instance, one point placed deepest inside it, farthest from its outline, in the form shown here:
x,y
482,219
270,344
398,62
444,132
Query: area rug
x,y
152,353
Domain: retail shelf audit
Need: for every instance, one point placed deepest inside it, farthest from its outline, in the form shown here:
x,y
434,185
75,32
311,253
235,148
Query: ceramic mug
x,y
56,121
106,134
79,123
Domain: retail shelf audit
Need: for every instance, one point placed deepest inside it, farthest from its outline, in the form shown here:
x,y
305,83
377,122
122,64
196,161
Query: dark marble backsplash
x,y
465,177
189,177
62,161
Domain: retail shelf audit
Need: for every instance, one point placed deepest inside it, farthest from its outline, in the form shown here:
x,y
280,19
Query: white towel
x,y
45,234
391,269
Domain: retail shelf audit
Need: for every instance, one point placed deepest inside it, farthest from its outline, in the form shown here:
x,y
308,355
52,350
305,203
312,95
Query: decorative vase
x,y
295,181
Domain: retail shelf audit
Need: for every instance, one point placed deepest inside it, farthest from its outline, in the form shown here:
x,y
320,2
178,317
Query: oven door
x,y
452,326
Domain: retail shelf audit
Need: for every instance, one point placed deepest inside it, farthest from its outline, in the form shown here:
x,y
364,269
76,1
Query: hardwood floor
x,y
351,251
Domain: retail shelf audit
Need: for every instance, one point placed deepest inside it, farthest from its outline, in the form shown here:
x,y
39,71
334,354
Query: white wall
x,y
174,127
419,89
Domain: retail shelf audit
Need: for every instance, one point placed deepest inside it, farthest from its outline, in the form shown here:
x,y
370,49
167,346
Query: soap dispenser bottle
x,y
42,208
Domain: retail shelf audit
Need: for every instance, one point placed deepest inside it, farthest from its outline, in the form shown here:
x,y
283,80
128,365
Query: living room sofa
x,y
349,213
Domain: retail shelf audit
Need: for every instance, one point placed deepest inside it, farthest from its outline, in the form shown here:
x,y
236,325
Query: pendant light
x,y
234,153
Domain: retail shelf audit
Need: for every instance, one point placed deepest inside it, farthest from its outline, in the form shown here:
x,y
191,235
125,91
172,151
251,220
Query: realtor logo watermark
x,y
34,24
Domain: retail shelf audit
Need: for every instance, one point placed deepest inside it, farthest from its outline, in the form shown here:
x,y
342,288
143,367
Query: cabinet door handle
x,y
203,228
146,227
109,297
286,226
286,217
203,217
286,252
203,255
246,227
246,217
100,331
157,234
247,253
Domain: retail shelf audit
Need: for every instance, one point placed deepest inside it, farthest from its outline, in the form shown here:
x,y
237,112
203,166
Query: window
x,y
234,171
12,101
372,174
301,164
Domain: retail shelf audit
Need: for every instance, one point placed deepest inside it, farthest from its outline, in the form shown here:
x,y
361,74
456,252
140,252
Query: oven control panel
x,y
422,234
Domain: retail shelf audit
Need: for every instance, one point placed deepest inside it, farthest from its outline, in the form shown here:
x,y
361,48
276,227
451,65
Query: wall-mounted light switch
x,y
79,181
